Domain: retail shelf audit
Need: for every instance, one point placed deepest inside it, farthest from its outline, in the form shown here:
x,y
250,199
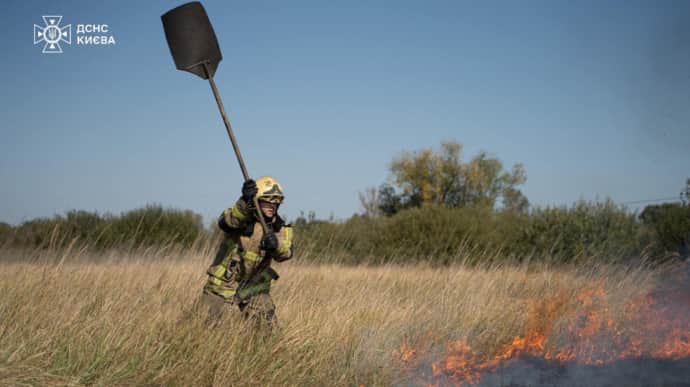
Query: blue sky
x,y
592,97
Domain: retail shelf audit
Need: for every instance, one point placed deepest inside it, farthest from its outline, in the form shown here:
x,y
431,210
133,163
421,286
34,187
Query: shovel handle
x,y
235,147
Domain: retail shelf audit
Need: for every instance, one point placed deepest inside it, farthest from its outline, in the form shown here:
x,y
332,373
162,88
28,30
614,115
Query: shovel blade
x,y
191,39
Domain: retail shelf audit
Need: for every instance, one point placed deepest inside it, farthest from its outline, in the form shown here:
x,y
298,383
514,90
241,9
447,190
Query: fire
x,y
650,326
406,353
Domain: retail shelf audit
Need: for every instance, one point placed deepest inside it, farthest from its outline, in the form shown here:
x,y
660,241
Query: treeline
x,y
439,207
441,235
152,225
433,233
435,207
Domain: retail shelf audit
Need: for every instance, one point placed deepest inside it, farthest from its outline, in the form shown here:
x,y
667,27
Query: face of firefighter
x,y
268,208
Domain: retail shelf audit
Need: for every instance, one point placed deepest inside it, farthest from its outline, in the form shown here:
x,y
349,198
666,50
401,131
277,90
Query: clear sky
x,y
593,97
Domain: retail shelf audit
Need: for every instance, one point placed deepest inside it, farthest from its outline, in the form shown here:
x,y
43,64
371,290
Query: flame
x,y
651,325
406,353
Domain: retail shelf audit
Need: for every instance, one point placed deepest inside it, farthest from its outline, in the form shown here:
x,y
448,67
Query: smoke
x,y
662,93
651,349
631,372
671,303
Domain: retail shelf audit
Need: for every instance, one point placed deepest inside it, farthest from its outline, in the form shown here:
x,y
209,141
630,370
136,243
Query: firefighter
x,y
240,276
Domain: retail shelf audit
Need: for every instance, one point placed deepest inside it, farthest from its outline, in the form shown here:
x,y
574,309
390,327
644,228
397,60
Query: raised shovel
x,y
194,48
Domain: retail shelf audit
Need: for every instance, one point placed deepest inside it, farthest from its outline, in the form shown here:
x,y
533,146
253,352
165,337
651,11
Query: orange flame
x,y
647,327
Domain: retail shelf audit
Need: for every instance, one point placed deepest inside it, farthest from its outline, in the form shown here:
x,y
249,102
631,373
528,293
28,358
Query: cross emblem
x,y
52,34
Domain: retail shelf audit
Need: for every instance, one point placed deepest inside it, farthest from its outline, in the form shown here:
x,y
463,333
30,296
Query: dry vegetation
x,y
122,318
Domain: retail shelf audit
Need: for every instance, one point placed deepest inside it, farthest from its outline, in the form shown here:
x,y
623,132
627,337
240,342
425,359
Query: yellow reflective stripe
x,y
287,242
225,293
237,214
219,272
286,235
250,255
226,261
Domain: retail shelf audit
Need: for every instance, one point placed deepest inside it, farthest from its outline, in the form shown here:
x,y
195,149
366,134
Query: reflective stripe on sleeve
x,y
237,213
287,242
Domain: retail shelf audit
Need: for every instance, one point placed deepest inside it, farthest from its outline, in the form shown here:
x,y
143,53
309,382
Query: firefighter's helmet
x,y
269,190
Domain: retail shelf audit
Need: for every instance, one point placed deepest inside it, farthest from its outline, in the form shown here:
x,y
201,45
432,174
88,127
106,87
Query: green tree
x,y
426,176
670,223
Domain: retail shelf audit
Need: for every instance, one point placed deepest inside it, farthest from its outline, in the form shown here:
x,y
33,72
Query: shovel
x,y
194,48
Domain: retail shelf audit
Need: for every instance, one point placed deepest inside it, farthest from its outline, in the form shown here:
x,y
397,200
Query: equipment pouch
x,y
231,270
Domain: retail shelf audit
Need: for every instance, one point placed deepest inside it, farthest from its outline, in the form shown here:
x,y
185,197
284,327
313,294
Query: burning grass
x,y
123,319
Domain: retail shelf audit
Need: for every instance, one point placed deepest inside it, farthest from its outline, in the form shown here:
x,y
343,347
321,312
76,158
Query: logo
x,y
52,34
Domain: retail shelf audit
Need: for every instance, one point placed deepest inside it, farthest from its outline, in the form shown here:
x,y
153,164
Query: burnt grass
x,y
533,371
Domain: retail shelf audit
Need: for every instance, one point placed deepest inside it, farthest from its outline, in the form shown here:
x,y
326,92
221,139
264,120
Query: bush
x,y
6,232
584,229
431,233
439,234
670,225
434,233
147,226
154,225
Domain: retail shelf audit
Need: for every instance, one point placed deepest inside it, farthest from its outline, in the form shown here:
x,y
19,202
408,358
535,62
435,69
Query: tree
x,y
426,177
369,200
685,193
389,202
671,224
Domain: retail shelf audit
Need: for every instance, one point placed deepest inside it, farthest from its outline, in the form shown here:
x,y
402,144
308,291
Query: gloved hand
x,y
249,190
269,242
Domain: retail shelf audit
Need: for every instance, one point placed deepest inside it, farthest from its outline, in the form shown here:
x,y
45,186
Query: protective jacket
x,y
237,272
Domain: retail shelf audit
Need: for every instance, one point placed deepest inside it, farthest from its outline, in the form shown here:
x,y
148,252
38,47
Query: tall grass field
x,y
71,317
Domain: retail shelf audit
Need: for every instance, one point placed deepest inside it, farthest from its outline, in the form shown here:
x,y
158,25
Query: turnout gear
x,y
240,255
241,269
259,309
194,48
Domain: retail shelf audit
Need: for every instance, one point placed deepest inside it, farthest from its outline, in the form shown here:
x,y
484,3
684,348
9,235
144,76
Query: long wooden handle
x,y
235,147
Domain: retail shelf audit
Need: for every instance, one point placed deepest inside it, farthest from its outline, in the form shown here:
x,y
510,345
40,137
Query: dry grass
x,y
122,320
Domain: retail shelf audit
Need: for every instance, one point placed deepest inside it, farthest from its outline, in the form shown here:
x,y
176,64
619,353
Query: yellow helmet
x,y
269,190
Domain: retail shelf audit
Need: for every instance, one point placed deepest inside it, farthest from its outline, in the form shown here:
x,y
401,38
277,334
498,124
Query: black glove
x,y
249,190
269,242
